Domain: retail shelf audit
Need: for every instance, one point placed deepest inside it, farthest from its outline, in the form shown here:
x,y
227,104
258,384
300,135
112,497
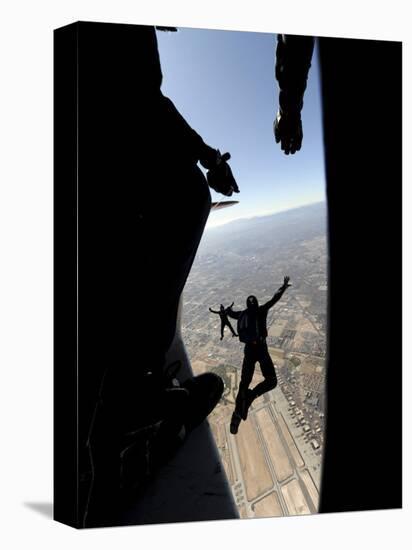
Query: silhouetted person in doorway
x,y
145,204
224,321
252,330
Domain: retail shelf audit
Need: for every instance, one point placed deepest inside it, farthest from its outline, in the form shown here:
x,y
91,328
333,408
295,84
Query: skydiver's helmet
x,y
252,303
222,307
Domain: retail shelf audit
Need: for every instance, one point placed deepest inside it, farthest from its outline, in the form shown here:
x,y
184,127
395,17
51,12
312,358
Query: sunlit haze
x,y
223,83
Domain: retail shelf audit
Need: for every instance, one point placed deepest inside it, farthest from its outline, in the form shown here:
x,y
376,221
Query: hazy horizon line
x,y
271,213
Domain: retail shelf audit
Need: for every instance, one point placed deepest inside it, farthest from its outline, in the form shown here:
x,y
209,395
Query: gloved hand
x,y
288,131
286,282
209,157
219,175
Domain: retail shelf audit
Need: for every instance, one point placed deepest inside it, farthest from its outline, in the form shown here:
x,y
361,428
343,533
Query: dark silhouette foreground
x,y
363,153
145,203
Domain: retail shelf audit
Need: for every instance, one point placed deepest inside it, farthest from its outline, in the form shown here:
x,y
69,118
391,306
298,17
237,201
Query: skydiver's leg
x,y
182,216
222,330
248,369
165,257
231,328
268,370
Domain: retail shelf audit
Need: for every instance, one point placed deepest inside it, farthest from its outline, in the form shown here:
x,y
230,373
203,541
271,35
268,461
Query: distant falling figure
x,y
224,321
252,329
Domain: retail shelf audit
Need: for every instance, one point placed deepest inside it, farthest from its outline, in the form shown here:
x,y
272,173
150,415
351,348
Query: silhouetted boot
x,y
250,396
234,423
185,408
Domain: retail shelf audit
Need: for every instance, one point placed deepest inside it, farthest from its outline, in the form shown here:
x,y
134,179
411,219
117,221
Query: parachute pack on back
x,y
247,328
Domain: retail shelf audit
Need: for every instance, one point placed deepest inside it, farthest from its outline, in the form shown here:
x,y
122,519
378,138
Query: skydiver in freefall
x,y
224,321
252,330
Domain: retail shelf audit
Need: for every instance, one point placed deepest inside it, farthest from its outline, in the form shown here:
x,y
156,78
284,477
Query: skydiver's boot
x,y
246,402
234,423
203,394
136,422
150,447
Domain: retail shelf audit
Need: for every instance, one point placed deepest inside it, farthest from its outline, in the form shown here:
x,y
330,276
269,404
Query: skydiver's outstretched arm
x,y
278,294
212,310
293,60
227,309
190,143
219,175
233,314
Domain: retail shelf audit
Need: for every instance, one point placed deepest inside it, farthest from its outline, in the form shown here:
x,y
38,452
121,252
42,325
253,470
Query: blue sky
x,y
223,83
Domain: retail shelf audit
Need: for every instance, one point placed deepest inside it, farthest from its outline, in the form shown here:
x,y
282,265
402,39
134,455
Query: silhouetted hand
x,y
209,157
286,282
288,131
219,175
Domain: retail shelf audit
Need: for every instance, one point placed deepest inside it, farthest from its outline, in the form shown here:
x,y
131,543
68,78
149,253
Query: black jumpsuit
x,y
224,321
256,351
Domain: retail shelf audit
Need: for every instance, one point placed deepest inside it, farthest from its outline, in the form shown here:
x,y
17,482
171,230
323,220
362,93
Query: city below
x,y
274,462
